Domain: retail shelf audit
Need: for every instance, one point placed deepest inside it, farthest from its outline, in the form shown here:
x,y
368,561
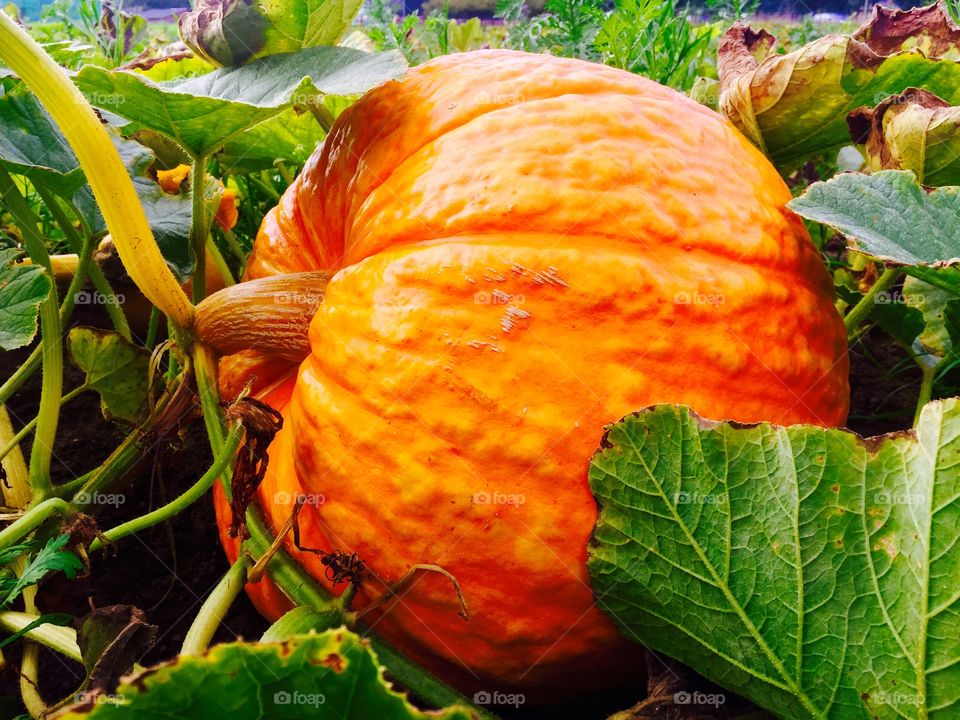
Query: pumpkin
x,y
523,249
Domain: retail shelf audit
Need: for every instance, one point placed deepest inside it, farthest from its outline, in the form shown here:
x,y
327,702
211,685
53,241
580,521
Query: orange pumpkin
x,y
525,249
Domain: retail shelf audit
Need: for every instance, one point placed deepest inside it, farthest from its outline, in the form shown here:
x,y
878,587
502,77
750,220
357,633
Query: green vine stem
x,y
56,637
87,268
32,519
198,226
51,386
112,187
194,493
215,608
861,311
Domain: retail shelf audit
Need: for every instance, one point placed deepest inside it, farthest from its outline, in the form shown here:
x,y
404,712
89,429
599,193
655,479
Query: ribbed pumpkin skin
x,y
517,234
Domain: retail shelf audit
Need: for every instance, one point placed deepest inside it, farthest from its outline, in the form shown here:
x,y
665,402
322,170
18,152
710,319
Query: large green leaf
x,y
291,137
201,113
329,675
31,144
811,571
914,130
22,289
795,105
889,216
115,368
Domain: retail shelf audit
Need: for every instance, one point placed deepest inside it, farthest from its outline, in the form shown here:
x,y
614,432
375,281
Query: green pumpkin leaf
x,y
795,105
807,569
889,216
202,113
115,368
291,136
22,289
914,130
31,145
309,677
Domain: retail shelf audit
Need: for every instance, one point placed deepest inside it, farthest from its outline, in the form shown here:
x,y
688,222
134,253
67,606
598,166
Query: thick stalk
x,y
56,637
16,491
198,226
861,311
32,519
51,385
194,493
215,608
102,166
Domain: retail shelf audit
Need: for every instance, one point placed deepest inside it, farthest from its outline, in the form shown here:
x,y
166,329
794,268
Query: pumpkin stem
x,y
270,314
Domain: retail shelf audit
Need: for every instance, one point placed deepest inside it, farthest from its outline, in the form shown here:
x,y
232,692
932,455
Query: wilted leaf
x,y
806,569
201,113
914,130
230,32
22,289
795,105
111,640
329,675
889,216
114,367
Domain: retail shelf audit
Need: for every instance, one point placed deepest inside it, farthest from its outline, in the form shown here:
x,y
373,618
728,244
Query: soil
x,y
168,570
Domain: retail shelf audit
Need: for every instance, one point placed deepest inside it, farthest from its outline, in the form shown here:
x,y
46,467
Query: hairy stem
x,y
32,519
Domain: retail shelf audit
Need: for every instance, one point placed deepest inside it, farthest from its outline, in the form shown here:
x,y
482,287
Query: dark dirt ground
x,y
168,570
